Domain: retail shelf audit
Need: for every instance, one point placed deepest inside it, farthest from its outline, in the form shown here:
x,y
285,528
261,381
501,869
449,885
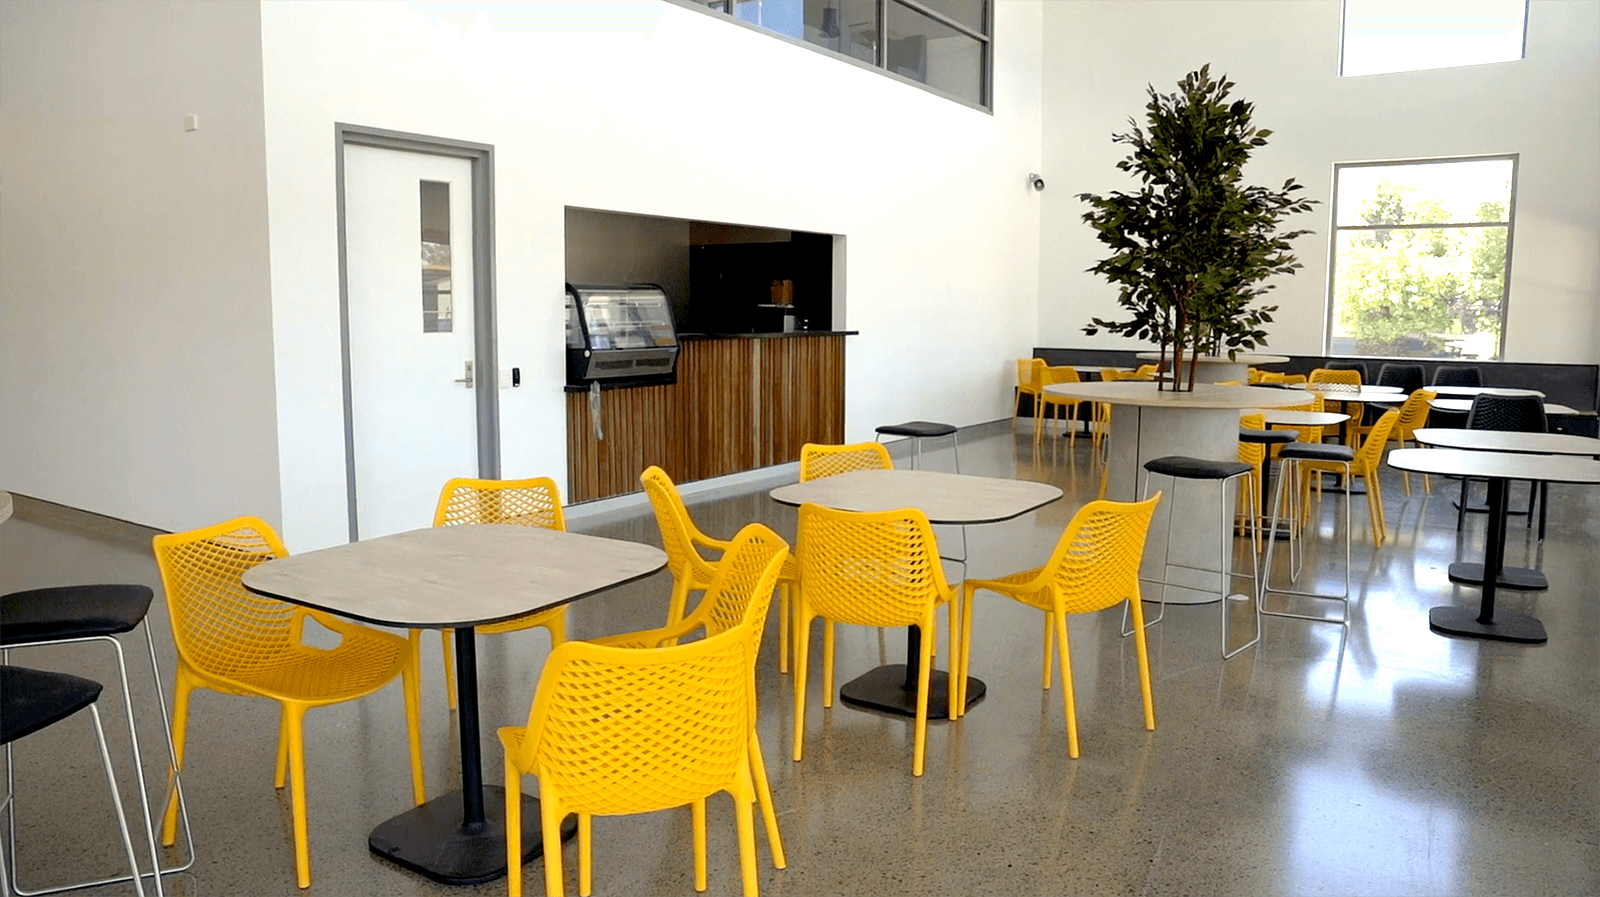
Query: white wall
x,y
1284,57
650,108
604,247
136,373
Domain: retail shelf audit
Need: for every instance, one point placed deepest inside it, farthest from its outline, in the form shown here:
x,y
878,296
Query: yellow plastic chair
x,y
1054,374
739,579
683,716
530,502
1095,565
1342,380
1253,454
877,569
1030,382
236,642
818,461
1271,377
1413,417
1368,458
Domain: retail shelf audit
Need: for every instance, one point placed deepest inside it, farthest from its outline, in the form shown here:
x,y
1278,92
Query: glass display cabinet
x,y
620,335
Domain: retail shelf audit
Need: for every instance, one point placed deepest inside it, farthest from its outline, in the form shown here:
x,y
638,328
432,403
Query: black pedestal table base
x,y
1471,573
432,841
1508,626
884,690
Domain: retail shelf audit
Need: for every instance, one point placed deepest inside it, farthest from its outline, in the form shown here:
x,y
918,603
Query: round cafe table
x,y
1147,423
1470,391
1498,468
1216,368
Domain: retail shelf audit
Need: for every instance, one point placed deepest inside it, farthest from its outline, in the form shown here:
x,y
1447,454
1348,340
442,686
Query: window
x,y
1421,257
1382,36
942,45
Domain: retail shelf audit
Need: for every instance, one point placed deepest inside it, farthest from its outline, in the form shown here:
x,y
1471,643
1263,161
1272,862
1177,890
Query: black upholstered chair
x,y
33,700
1406,376
1457,375
1513,414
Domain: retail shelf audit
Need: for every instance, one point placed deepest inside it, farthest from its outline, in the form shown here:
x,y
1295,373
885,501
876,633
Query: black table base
x,y
431,840
885,690
1471,573
1508,626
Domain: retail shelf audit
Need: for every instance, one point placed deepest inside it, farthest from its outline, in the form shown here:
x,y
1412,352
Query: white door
x,y
408,245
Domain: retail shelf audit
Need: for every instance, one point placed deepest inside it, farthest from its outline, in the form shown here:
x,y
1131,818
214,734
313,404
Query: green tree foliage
x,y
1193,245
1415,291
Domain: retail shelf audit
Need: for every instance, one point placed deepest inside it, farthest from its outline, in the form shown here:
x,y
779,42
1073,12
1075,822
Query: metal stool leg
x,y
1291,470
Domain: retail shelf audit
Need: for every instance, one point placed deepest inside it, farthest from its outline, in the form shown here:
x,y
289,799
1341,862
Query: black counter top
x,y
776,335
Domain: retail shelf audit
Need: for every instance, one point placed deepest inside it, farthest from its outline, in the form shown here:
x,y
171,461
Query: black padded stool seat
x,y
922,429
1267,437
72,612
1318,451
1196,468
31,700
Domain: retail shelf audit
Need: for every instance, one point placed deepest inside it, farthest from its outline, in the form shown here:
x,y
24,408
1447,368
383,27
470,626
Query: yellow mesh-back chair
x,y
1253,454
1093,567
1030,380
236,642
691,572
1342,380
1054,374
818,461
1368,458
1271,377
615,731
530,502
877,569
1146,371
1413,417
741,576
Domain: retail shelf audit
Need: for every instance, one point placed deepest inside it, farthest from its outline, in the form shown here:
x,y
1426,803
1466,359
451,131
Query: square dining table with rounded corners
x,y
1470,391
948,499
456,577
1147,423
1499,468
1507,441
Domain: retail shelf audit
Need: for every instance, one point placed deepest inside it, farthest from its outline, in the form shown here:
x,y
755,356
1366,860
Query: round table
x,y
1470,391
1462,406
1216,368
1148,423
1498,468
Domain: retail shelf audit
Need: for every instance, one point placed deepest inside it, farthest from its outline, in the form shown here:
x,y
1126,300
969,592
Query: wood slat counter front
x,y
741,401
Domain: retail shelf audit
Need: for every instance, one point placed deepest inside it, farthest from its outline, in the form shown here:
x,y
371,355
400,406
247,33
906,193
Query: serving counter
x,y
741,401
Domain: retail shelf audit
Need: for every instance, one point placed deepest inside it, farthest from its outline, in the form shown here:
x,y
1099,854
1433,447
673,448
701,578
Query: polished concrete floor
x,y
1385,760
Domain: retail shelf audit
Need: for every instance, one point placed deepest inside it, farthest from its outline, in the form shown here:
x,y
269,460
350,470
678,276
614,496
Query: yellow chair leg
x,y
747,846
769,816
294,719
282,767
180,728
550,820
1068,701
827,663
445,637
513,829
411,682
1049,648
1143,652
585,854
957,673
783,627
802,647
967,594
699,814
921,739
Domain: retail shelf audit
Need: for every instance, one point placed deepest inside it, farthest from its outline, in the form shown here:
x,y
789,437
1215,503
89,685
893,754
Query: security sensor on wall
x,y
1036,181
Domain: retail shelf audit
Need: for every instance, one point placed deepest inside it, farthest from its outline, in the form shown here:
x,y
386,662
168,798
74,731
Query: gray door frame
x,y
486,360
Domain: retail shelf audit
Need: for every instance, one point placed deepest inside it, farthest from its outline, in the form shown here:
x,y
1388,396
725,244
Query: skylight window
x,y
1382,36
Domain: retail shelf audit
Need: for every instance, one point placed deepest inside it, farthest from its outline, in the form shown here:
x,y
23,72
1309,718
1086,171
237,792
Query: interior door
x,y
413,408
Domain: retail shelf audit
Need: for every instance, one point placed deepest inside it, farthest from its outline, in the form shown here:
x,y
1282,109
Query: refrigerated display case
x,y
620,335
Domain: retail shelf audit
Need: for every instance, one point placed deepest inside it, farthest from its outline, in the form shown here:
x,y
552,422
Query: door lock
x,y
467,380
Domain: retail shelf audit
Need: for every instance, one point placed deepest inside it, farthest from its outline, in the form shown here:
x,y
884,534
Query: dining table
x,y
1215,368
1471,391
1462,406
1149,423
951,499
1499,468
456,577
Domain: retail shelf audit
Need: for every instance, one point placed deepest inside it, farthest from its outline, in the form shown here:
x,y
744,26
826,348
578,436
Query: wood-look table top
x,y
948,498
1287,417
1503,441
1205,395
454,576
1470,391
1465,405
1496,465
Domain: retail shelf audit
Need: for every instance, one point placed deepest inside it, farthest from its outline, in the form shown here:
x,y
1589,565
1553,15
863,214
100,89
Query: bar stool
x,y
1262,468
93,613
32,700
920,430
1292,456
1222,473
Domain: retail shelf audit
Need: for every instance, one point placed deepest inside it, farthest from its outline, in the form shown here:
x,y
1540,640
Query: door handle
x,y
467,380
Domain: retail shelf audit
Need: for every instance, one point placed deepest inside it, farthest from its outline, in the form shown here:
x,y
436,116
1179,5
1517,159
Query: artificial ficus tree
x,y
1193,245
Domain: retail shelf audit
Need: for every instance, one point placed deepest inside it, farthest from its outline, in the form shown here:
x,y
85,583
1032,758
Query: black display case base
x,y
1469,573
884,690
1508,626
431,841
